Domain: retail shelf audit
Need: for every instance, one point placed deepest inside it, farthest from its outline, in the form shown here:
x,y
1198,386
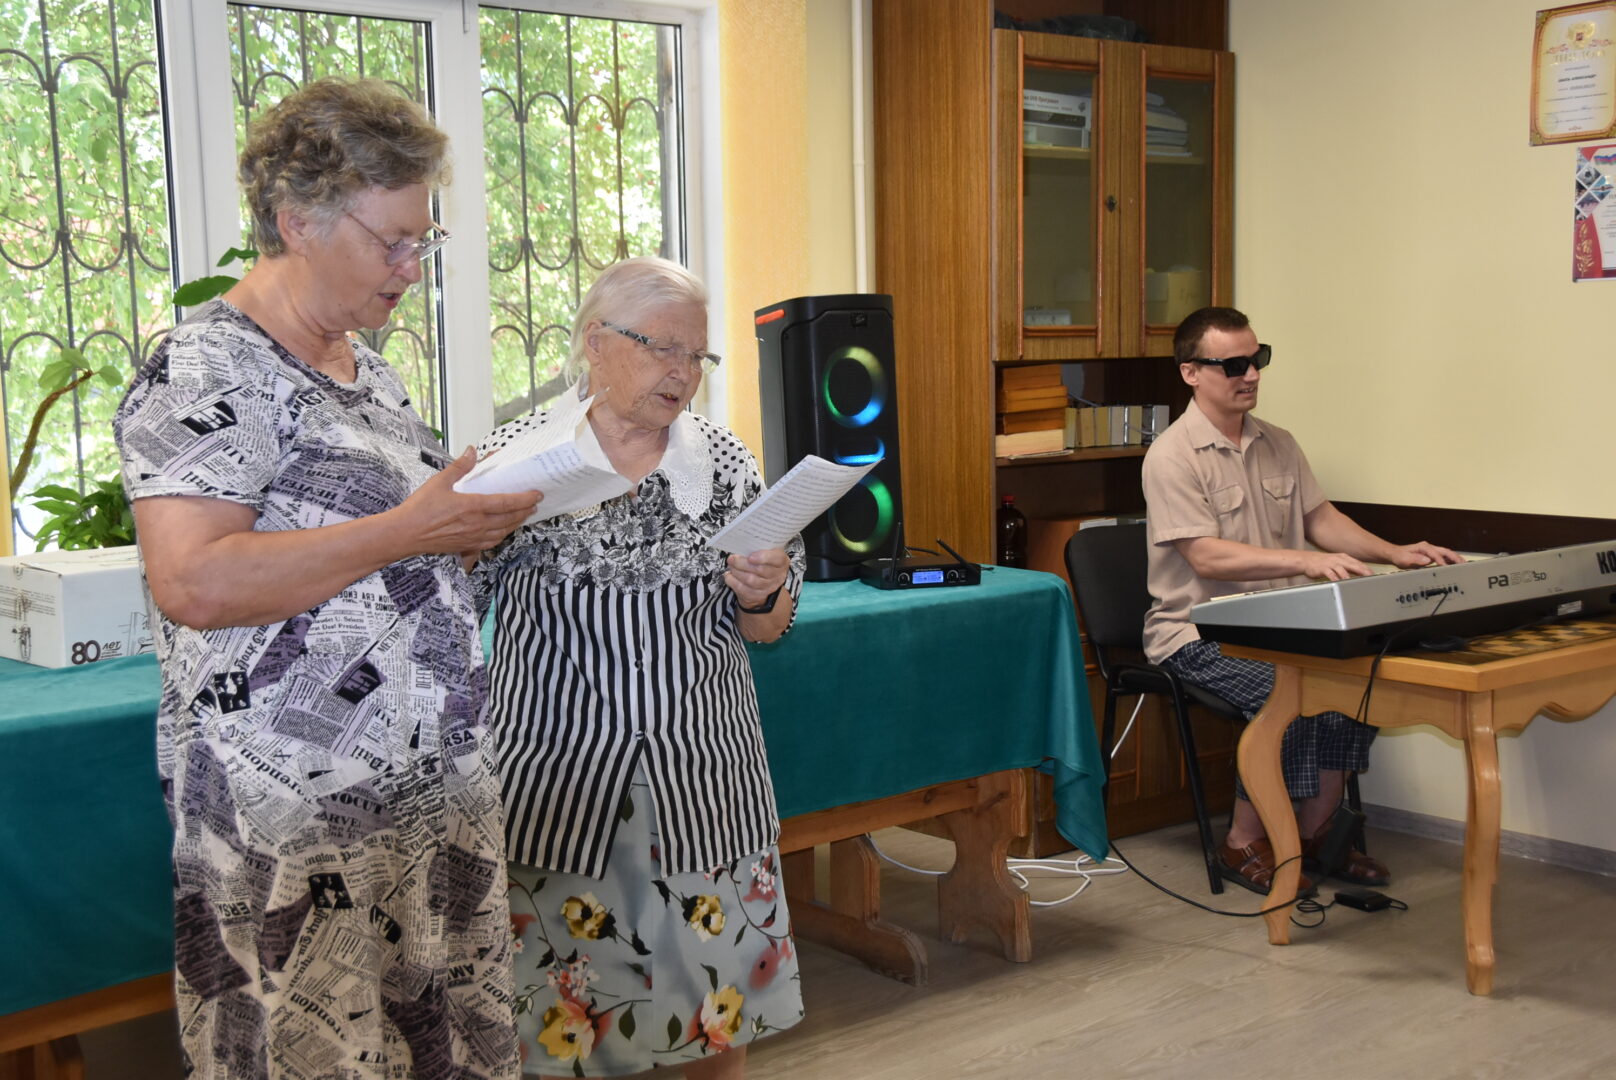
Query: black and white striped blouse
x,y
617,644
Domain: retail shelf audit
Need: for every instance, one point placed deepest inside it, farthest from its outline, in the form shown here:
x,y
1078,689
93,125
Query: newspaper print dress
x,y
340,905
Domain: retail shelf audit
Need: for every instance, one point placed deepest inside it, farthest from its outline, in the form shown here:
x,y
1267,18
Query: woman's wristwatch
x,y
767,605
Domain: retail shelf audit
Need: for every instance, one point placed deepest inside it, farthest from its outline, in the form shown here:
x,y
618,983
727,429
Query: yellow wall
x,y
1408,255
763,87
787,164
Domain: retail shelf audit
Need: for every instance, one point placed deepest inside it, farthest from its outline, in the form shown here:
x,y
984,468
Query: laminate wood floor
x,y
1128,983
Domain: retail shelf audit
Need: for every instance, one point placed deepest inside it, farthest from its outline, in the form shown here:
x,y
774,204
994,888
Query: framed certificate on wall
x,y
1574,74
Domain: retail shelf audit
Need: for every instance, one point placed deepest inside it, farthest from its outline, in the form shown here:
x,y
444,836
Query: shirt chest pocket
x,y
1278,494
1226,503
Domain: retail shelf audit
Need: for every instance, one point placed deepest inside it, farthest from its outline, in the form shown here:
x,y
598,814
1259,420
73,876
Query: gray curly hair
x,y
326,142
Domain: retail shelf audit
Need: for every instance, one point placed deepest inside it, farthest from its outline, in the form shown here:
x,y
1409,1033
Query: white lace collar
x,y
686,461
688,466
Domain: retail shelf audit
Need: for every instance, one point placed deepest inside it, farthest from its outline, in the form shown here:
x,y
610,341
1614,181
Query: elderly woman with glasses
x,y
338,867
645,886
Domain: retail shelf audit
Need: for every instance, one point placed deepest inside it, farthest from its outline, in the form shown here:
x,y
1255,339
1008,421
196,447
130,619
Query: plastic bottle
x,y
1012,532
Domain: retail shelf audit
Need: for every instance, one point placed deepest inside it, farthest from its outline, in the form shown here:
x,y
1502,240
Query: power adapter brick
x,y
1363,899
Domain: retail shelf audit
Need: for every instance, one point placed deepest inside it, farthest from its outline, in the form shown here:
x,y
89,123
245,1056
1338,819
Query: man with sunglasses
x,y
1232,506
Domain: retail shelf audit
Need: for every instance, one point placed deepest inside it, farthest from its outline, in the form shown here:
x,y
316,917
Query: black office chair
x,y
1107,565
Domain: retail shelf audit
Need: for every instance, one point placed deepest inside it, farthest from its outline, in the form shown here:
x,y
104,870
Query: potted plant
x,y
100,515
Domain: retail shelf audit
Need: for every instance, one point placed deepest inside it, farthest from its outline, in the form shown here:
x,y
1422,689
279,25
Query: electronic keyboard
x,y
1367,615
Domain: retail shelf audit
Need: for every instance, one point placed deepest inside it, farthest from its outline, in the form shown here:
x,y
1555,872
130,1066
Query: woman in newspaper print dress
x,y
339,883
645,886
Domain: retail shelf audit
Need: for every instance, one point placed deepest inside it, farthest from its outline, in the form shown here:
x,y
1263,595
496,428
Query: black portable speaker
x,y
827,384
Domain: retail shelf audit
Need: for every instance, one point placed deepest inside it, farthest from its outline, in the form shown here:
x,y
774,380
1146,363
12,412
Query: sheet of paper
x,y
565,425
560,459
802,494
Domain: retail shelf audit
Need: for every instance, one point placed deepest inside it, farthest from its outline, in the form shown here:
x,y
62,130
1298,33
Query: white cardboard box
x,y
1045,105
63,608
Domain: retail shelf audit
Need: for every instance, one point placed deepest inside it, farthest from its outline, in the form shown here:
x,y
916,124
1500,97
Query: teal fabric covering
x,y
84,840
871,694
877,692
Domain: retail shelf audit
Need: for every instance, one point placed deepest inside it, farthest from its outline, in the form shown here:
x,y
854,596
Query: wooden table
x,y
1498,684
983,815
879,708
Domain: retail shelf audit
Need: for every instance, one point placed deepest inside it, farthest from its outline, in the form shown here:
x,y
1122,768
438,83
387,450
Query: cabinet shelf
x,y
1091,453
1041,150
1083,153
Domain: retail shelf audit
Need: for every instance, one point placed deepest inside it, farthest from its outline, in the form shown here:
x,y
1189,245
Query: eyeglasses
x,y
1235,366
666,354
402,251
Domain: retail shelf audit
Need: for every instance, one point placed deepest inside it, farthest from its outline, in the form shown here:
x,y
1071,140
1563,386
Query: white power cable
x,y
1082,866
1140,704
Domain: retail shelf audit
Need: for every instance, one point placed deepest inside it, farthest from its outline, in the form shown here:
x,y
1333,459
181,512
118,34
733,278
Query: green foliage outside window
x,y
582,132
84,232
581,149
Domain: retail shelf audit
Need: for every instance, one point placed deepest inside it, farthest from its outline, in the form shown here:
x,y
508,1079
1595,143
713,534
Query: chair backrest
x,y
1108,568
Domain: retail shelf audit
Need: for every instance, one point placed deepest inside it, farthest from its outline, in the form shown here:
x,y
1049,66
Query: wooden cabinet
x,y
1004,245
974,230
1113,189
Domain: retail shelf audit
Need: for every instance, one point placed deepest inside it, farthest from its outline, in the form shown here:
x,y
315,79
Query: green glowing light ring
x,y
878,386
883,520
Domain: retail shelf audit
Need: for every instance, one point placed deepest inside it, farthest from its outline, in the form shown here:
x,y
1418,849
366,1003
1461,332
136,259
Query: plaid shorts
x,y
1330,740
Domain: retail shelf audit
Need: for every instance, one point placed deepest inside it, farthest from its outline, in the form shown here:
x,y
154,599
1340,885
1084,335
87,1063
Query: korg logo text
x,y
1606,560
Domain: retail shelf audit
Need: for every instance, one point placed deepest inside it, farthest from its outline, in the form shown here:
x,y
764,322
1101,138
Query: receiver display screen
x,y
928,577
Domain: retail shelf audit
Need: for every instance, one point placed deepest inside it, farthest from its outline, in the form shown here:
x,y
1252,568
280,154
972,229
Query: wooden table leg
x,y
978,889
1264,780
1482,825
58,1059
851,922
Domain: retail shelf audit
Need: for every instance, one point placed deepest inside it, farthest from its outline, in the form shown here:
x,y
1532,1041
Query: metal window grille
x,y
582,129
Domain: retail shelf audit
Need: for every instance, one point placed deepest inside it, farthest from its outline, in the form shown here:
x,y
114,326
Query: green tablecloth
x,y
872,694
876,692
85,900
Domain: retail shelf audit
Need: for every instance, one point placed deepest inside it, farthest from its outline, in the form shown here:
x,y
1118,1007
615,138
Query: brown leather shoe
x,y
1357,868
1253,868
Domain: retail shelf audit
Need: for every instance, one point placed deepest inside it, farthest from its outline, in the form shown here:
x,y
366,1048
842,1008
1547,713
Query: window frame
x,y
194,37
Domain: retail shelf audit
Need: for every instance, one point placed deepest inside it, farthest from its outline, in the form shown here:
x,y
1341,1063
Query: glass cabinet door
x,y
1113,194
1179,158
1058,279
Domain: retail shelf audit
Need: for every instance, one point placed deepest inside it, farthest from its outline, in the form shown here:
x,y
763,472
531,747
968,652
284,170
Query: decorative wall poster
x,y
1593,238
1574,74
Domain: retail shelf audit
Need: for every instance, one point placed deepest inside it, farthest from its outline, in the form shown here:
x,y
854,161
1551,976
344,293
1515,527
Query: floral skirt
x,y
635,970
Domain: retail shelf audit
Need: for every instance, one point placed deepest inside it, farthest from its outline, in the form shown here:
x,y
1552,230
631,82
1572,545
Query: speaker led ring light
x,y
883,520
856,354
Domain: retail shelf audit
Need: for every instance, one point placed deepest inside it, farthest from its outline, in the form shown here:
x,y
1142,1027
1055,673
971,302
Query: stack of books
x,y
1033,413
1118,425
1166,132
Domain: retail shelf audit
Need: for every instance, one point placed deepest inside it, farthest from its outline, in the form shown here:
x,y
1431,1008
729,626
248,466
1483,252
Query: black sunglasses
x,y
1235,366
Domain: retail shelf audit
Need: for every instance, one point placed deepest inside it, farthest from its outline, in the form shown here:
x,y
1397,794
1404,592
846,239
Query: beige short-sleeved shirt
x,y
1198,483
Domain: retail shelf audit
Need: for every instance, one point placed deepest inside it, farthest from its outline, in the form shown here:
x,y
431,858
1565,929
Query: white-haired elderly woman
x,y
338,865
641,824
